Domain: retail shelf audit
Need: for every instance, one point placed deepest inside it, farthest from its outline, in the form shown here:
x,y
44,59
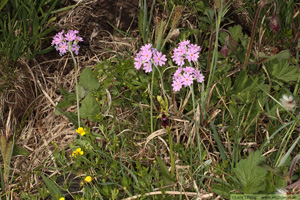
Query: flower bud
x,y
225,50
275,23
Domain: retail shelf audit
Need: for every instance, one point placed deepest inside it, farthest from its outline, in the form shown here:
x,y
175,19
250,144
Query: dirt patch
x,y
98,21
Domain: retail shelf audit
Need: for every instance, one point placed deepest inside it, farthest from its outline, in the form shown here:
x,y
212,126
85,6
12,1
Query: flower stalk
x,y
77,89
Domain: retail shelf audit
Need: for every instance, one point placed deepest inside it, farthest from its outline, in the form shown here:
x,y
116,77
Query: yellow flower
x,y
62,198
81,131
77,152
88,179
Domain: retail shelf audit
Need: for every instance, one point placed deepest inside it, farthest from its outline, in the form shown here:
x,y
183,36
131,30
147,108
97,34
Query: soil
x,y
100,21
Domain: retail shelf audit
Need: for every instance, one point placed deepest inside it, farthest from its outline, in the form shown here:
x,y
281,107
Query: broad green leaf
x,y
82,92
52,187
236,32
251,176
89,108
88,81
283,71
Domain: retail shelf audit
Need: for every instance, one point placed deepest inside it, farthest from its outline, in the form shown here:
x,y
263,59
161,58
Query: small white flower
x,y
288,102
281,191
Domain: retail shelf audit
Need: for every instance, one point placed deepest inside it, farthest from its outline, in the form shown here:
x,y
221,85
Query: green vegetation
x,y
233,131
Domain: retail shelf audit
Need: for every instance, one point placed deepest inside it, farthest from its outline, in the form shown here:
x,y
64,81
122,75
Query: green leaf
x,y
88,81
236,32
89,108
164,171
19,151
82,92
282,55
35,25
251,176
222,189
283,71
69,98
2,4
53,189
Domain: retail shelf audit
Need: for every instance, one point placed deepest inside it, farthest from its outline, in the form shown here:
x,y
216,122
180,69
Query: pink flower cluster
x,y
66,42
185,77
148,55
185,50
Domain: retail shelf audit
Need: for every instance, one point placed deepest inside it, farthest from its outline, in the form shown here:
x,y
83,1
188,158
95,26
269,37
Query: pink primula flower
x,y
70,36
146,55
63,47
187,79
199,77
147,67
138,63
75,48
177,73
177,85
184,43
66,42
159,59
189,70
192,56
146,47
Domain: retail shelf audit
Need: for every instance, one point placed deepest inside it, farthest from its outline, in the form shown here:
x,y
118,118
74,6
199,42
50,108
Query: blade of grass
x,y
288,153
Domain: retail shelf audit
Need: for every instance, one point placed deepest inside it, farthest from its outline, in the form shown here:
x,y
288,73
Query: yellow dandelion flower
x,y
88,179
62,198
77,152
81,131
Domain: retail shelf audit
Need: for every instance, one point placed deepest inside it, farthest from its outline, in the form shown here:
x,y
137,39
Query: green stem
x,y
162,83
171,152
196,121
151,100
77,89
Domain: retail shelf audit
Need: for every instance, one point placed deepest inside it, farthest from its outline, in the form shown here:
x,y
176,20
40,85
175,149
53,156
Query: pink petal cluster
x,y
66,42
148,55
185,77
187,51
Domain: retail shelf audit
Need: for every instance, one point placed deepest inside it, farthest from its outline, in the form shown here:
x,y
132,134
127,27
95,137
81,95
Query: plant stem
x,y
162,83
151,100
262,3
196,121
77,89
171,152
